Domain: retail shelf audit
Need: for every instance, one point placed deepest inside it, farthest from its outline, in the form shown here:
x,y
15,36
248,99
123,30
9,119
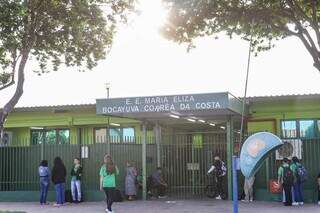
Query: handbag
x,y
274,186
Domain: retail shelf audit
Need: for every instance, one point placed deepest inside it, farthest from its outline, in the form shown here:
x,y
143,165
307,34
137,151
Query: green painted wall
x,y
20,123
294,109
267,115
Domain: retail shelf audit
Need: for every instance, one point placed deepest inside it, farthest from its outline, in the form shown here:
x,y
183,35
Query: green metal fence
x,y
185,159
308,150
19,164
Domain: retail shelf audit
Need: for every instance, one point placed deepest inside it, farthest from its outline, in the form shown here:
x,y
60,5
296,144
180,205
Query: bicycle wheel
x,y
210,191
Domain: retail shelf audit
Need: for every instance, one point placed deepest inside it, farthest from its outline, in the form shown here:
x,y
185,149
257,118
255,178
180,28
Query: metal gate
x,y
186,159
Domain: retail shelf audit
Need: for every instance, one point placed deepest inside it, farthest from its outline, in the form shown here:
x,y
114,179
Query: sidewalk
x,y
161,206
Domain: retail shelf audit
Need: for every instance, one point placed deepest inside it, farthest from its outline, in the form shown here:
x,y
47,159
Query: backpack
x,y
43,171
221,170
302,174
288,177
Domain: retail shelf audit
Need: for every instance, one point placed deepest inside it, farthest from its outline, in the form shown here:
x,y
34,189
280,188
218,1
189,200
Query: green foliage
x,y
54,32
4,78
264,20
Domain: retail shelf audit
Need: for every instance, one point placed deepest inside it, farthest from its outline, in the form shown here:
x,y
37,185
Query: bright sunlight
x,y
152,16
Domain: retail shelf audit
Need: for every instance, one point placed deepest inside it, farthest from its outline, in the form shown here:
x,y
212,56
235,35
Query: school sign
x,y
179,104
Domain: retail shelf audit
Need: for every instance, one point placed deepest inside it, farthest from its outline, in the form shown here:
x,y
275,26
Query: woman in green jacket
x,y
108,174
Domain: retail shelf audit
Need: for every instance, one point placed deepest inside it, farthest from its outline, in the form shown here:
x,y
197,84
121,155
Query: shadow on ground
x,y
161,206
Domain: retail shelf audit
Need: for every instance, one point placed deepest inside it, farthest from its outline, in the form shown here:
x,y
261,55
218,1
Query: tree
x,y
265,21
54,32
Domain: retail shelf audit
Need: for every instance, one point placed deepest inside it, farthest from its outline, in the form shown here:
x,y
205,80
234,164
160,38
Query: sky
x,y
142,63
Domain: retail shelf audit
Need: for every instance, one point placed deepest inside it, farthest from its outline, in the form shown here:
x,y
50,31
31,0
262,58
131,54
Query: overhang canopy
x,y
206,105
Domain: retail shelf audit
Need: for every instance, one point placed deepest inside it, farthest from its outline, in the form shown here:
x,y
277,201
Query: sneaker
x,y
251,200
319,203
162,197
56,205
301,203
106,210
295,204
218,198
244,200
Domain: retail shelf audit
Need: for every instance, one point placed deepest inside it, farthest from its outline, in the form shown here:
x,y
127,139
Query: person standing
x,y
300,176
248,189
130,181
44,174
58,177
286,178
220,172
76,173
108,174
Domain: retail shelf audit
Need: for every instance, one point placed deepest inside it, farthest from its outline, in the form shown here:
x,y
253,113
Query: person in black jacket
x,y
76,173
58,176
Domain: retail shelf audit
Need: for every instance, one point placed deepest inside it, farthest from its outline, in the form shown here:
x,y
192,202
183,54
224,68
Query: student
x,y
58,177
318,180
44,174
130,181
76,173
300,174
159,183
220,171
108,174
286,178
248,189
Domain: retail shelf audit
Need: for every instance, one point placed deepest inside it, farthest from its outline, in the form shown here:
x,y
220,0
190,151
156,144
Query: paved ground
x,y
163,207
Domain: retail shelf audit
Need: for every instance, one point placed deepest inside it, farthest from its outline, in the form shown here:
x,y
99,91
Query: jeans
x,y
109,191
59,193
298,192
219,185
288,194
44,186
76,190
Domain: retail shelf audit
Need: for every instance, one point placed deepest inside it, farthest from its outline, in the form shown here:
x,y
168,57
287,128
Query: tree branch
x,y
295,5
315,24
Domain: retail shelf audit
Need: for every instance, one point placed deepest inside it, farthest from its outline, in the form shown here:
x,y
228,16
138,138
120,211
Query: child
x,y
286,178
108,174
58,177
76,173
44,174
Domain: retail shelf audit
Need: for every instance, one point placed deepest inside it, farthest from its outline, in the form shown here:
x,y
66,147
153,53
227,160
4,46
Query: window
x,y
289,129
63,136
128,132
52,136
307,128
116,135
100,135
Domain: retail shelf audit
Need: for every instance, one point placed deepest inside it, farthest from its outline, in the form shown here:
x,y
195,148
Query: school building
x,y
180,133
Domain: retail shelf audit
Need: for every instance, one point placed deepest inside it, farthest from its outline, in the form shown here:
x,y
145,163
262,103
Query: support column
x,y
157,133
230,145
108,138
144,162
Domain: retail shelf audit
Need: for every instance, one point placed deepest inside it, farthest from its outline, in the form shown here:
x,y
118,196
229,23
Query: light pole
x,y
108,89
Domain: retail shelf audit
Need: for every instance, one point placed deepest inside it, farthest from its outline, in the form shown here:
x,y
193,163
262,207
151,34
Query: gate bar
x,y
144,163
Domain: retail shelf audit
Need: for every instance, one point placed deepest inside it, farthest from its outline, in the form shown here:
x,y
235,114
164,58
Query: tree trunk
x,y
9,106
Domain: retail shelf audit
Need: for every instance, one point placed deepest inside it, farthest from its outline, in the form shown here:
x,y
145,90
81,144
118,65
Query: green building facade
x,y
71,130
295,119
